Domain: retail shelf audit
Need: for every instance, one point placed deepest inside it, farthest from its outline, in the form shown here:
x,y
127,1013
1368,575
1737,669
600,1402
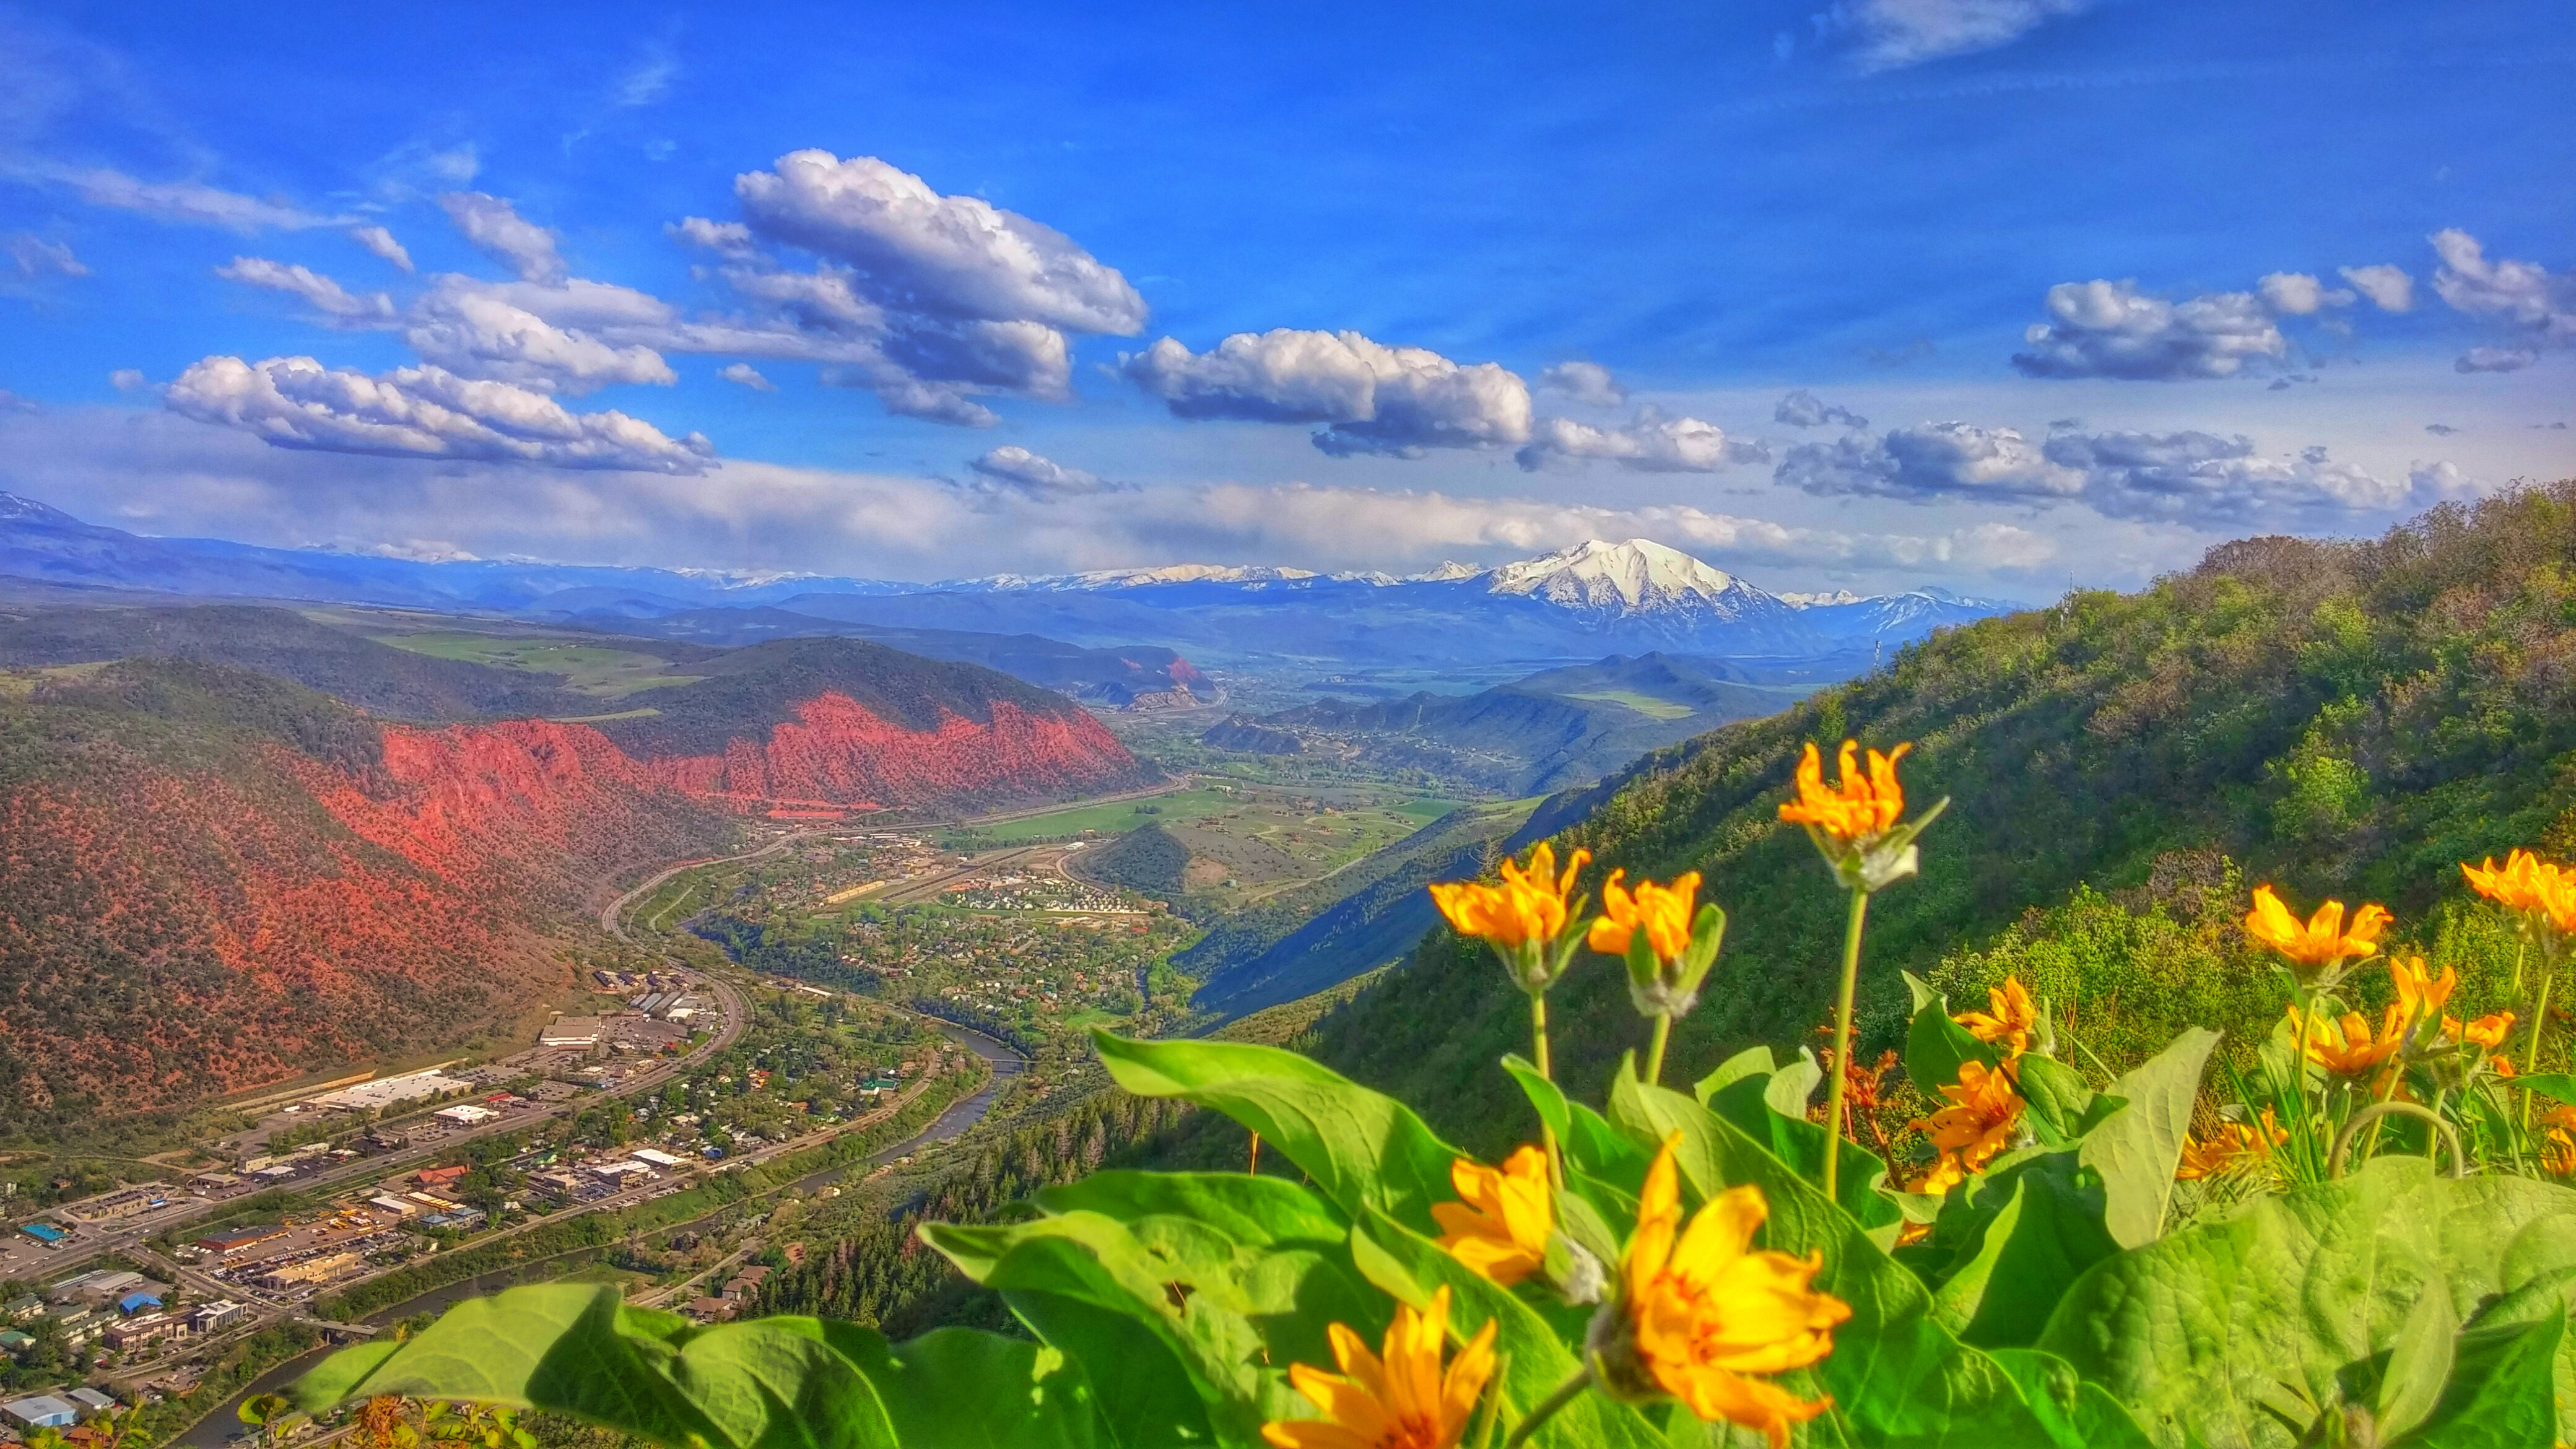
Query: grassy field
x,y
1116,817
1645,704
1425,810
608,673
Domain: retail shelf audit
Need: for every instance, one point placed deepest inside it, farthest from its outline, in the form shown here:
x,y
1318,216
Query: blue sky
x,y
939,250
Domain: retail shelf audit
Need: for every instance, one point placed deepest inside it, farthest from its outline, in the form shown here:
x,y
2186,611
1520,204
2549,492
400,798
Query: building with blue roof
x,y
136,1302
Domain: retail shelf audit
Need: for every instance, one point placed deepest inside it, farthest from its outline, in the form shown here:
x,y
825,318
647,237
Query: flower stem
x,y
2539,1020
1842,1038
1564,1395
1655,1051
1538,1048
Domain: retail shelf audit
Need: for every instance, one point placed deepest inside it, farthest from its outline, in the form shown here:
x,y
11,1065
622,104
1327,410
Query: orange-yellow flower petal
x,y
2487,1031
2323,939
2345,1046
1858,806
1663,912
2420,994
2235,1143
1501,1222
1708,1313
1527,904
2514,885
2008,1019
1978,1124
1401,1401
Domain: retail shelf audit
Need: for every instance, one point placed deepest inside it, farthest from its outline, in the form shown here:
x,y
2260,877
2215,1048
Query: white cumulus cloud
x,y
746,375
2296,294
1803,409
1652,443
338,305
2537,305
949,256
2111,329
1014,469
378,240
496,229
729,239
475,330
1588,383
1397,401
2212,481
1933,460
2388,287
421,412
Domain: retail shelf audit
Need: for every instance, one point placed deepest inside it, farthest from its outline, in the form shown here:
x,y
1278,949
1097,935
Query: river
x,y
217,1429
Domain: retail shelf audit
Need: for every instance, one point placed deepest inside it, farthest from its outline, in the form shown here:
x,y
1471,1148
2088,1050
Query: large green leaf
x,y
956,1388
1748,1105
1591,1145
2136,1150
1935,1045
1898,1380
1362,1149
1233,1316
2198,1330
574,1349
1146,1398
2063,1108
2557,1086
2048,1231
2075,1414
1252,1211
1412,1268
2503,1391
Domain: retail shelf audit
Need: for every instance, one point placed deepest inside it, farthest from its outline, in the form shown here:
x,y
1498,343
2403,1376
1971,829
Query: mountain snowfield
x,y
1582,602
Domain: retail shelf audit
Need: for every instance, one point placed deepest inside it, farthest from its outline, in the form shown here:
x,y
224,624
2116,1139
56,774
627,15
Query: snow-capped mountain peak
x,y
1448,573
1639,575
1819,601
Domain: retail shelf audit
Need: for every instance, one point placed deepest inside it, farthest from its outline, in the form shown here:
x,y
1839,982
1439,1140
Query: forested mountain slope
x,y
2340,718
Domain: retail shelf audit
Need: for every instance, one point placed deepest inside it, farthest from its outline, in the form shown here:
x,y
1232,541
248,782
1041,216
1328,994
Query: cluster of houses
x,y
122,1310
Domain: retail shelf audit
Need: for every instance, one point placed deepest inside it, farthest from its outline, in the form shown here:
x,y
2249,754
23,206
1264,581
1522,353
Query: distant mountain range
x,y
1575,604
1546,732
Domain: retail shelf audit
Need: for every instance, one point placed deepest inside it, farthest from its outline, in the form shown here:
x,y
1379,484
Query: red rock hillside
x,y
212,879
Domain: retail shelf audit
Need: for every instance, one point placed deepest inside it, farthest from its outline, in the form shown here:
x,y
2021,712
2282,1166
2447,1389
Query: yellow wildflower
x,y
2558,1148
2007,1019
1501,1223
1858,807
2345,1047
2324,941
1703,1314
2236,1142
1526,906
2554,897
2420,995
1402,1401
1663,912
1978,1124
2514,885
2487,1031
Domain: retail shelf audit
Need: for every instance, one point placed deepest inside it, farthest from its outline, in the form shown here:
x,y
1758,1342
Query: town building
x,y
571,1031
41,1411
14,1342
654,1156
232,1242
149,1328
221,1314
90,1399
315,1269
465,1114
